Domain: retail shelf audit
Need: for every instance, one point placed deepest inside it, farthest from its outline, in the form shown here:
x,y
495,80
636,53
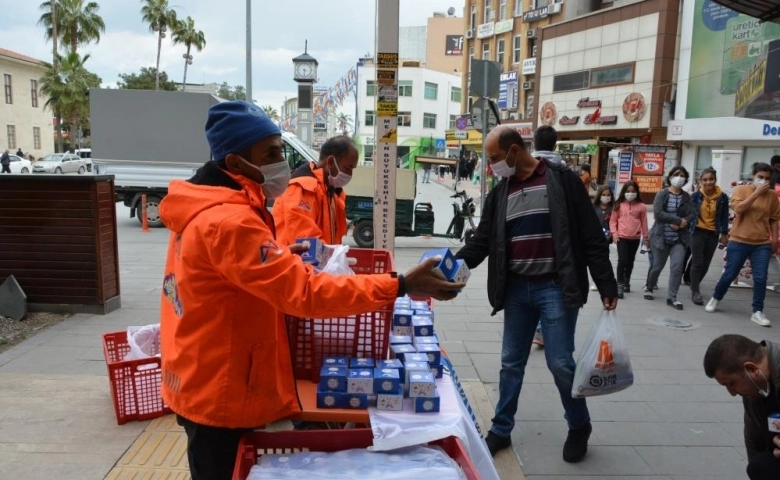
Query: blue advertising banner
x,y
507,91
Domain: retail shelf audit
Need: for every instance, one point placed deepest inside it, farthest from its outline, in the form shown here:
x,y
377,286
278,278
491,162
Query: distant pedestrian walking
x,y
5,161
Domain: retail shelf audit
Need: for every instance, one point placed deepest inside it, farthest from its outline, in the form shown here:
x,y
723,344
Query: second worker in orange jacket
x,y
313,204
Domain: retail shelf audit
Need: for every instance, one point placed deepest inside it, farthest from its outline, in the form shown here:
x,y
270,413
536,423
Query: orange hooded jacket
x,y
225,354
307,209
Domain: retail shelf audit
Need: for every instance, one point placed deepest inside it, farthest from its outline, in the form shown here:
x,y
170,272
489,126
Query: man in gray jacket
x,y
752,371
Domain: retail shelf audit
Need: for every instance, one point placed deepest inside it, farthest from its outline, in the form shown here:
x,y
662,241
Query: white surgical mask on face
x,y
631,197
341,179
759,181
677,181
502,169
606,200
276,175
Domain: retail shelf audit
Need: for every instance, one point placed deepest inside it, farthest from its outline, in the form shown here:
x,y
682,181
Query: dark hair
x,y
775,172
337,146
708,170
545,138
602,189
677,169
585,167
622,197
728,354
509,137
761,167
775,160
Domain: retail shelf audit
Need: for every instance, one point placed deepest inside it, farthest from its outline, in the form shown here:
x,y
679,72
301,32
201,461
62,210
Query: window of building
x,y
404,119
368,153
473,17
370,118
405,88
500,50
34,92
11,134
614,75
370,88
320,125
517,45
532,48
9,97
518,7
471,56
571,81
502,9
455,94
37,138
703,159
541,3
429,120
431,91
529,105
487,14
486,51
451,125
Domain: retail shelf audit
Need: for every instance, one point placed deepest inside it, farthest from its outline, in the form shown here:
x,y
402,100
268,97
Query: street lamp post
x,y
249,51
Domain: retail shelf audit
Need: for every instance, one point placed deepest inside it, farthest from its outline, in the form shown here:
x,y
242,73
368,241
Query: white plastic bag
x,y
603,366
144,342
338,263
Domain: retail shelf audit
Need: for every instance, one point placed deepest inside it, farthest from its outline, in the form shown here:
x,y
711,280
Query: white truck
x,y
148,138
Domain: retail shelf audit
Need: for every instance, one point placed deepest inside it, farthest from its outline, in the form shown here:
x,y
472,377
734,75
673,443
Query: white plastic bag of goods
x,y
338,263
604,366
144,342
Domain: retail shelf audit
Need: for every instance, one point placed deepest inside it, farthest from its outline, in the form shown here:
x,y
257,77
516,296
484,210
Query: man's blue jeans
x,y
736,254
526,304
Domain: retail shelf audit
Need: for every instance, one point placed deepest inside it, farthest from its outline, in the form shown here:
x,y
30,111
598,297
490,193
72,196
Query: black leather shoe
x,y
674,304
576,445
496,443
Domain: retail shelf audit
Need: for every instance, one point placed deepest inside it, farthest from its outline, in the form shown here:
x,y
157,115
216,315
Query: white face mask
x,y
606,200
341,179
631,197
759,181
276,175
677,181
502,169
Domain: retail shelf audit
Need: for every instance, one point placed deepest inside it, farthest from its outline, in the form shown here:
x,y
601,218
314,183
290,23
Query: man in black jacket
x,y
541,235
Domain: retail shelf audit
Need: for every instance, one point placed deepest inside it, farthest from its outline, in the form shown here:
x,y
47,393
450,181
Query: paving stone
x,y
13,301
708,461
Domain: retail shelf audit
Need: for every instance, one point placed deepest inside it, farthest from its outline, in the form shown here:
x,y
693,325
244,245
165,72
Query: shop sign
x,y
648,163
529,66
649,185
771,131
588,103
566,121
608,120
453,45
486,30
536,14
634,107
548,114
504,26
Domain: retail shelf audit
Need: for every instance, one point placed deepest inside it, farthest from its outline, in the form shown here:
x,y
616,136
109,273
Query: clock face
x,y
303,70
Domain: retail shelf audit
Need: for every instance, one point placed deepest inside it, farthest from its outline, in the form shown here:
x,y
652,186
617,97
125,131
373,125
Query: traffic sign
x,y
485,78
477,110
440,144
462,122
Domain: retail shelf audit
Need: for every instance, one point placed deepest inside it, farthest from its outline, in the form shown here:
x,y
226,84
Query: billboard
x,y
453,45
507,91
735,61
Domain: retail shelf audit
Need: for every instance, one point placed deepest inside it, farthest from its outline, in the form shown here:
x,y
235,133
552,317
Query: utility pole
x,y
249,51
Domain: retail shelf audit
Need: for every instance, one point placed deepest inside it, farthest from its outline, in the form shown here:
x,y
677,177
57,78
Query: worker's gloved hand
x,y
421,281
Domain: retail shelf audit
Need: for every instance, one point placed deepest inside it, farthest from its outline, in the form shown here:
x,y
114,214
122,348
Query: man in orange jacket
x,y
226,362
313,204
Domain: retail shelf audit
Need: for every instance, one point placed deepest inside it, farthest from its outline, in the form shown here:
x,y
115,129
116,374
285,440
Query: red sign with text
x,y
648,163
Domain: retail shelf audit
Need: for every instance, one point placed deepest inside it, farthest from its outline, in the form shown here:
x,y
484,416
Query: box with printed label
x,y
401,339
333,379
327,399
390,401
392,363
356,362
427,404
437,370
462,272
403,303
315,253
335,361
360,380
424,313
422,326
422,384
355,400
773,422
400,351
400,331
433,352
429,340
419,305
403,318
386,380
415,357
446,265
414,367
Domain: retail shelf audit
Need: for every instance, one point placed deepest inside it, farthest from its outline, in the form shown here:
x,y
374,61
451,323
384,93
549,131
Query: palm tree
x,y
159,16
66,87
271,112
185,33
77,23
344,123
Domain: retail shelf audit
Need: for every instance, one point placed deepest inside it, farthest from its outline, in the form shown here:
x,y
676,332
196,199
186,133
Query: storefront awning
x,y
764,10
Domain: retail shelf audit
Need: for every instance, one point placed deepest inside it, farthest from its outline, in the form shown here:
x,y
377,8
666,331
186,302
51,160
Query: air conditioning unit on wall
x,y
469,33
530,33
554,8
528,85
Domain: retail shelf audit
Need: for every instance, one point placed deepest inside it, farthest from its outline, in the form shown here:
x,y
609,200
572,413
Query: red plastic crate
x,y
135,384
363,335
255,444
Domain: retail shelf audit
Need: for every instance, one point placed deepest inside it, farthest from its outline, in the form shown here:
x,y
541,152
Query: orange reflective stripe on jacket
x,y
225,352
306,210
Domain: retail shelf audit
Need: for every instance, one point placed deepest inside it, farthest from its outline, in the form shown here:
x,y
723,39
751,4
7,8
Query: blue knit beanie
x,y
232,127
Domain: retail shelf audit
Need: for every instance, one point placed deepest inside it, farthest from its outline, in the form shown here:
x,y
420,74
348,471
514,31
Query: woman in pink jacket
x,y
628,225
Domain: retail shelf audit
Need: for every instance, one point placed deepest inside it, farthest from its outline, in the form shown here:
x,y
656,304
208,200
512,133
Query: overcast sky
x,y
339,31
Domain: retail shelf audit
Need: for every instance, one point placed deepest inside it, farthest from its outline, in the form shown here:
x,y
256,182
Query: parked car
x,y
62,163
20,165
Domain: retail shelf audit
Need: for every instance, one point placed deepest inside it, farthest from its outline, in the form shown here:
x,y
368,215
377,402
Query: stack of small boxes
x,y
354,382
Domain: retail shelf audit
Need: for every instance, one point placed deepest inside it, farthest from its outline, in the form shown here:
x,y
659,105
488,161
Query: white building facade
x,y
428,105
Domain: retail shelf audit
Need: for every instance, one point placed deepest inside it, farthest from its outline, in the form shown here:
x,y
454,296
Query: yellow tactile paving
x,y
159,453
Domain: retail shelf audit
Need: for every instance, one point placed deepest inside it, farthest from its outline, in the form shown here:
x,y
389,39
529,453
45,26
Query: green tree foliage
x,y
271,112
145,80
185,33
231,93
78,23
161,17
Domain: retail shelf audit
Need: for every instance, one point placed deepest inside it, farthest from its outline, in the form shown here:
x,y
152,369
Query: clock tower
x,y
305,73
